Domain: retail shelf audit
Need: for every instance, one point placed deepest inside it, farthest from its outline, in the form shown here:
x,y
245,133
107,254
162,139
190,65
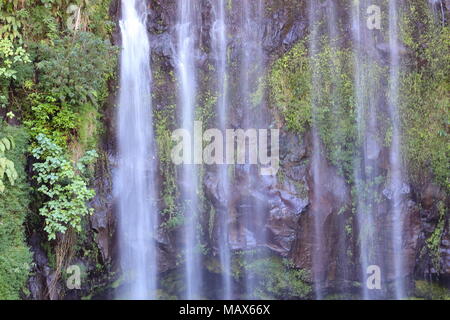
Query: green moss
x,y
89,127
212,264
335,107
278,279
290,83
274,277
341,296
171,211
425,98
431,291
172,283
15,257
257,97
434,241
207,103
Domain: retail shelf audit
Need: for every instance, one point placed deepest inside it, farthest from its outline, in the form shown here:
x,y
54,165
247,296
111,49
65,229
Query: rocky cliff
x,y
282,205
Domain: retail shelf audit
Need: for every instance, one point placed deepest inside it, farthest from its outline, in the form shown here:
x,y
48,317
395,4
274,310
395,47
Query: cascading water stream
x,y
358,82
135,190
335,41
252,69
134,186
396,180
219,45
365,166
186,32
369,107
437,6
324,43
318,254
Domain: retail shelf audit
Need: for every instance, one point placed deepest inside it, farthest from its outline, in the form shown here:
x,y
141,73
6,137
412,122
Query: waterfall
x,y
187,41
252,70
358,82
437,6
370,97
219,47
335,41
134,186
317,177
397,186
324,42
365,165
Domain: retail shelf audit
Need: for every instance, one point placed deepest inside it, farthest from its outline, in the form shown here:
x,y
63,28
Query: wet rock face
x,y
329,208
285,22
411,236
432,200
445,253
38,282
277,205
286,207
283,206
287,213
272,205
103,220
288,195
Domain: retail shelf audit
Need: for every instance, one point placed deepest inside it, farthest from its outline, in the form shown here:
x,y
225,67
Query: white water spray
x,y
365,168
134,186
186,32
396,182
219,45
252,71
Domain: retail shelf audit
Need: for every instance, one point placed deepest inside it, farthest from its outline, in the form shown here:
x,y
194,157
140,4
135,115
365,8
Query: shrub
x,y
63,186
75,69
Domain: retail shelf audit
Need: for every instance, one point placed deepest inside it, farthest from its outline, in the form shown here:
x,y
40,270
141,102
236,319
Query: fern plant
x,y
6,166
